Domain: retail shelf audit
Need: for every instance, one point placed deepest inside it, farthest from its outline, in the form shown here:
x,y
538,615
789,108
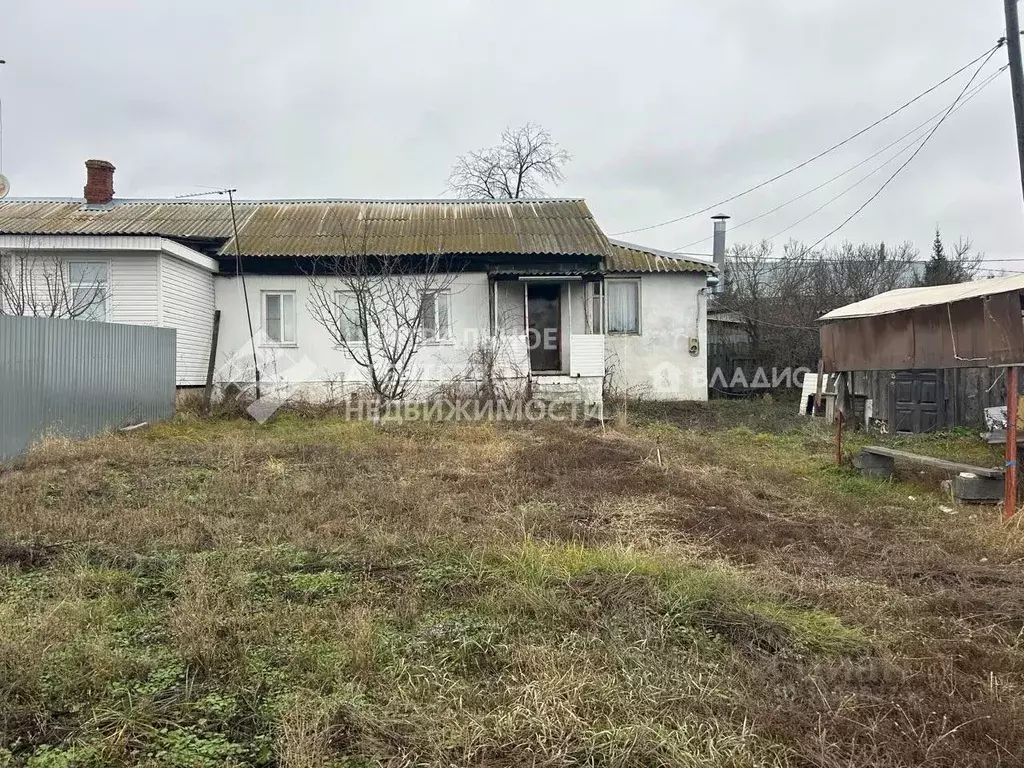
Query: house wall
x,y
148,287
132,280
134,288
657,363
314,358
187,304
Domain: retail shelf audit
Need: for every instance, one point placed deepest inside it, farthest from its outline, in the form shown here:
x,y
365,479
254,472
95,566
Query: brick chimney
x,y
99,182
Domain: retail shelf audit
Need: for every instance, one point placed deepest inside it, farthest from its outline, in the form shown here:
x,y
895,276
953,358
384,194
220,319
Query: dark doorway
x,y
918,404
544,307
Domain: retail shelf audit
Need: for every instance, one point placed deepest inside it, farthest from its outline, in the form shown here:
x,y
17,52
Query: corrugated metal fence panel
x,y
79,378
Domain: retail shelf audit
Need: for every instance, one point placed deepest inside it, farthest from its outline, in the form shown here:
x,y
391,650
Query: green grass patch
x,y
704,589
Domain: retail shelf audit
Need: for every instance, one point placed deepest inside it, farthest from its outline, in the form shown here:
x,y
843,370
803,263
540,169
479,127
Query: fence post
x,y
208,392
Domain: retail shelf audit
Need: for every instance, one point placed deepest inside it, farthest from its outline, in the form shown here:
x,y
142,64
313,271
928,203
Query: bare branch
x,y
39,284
523,162
374,307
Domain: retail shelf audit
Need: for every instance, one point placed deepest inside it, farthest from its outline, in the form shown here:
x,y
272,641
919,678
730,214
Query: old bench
x,y
969,484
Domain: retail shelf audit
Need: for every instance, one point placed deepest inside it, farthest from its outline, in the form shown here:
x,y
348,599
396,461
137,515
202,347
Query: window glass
x,y
350,322
623,297
279,317
87,287
435,313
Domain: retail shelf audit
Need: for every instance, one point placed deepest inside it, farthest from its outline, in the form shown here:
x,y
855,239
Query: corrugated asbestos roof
x,y
330,227
911,298
127,217
628,257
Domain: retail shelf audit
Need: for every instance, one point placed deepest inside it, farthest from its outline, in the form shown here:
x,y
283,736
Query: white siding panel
x,y
586,354
187,304
133,287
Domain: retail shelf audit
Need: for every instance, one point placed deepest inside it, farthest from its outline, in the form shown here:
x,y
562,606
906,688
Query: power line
x,y
846,191
974,92
820,155
917,151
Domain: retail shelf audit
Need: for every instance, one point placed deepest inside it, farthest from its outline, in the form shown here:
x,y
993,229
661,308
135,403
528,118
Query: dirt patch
x,y
28,556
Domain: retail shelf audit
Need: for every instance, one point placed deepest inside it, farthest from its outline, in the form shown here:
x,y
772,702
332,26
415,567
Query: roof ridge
x,y
662,253
301,200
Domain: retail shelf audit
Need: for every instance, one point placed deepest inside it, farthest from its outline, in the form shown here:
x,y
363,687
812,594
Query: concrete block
x,y
967,486
873,465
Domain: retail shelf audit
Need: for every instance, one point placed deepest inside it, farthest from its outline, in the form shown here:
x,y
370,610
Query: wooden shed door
x,y
918,404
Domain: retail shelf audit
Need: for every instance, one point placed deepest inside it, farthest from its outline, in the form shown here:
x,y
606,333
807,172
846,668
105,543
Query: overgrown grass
x,y
322,592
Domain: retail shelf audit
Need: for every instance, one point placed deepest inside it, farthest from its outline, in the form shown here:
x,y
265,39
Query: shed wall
x,y
967,393
985,331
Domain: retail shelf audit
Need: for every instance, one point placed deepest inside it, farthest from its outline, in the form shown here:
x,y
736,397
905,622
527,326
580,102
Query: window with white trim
x,y
279,316
623,306
596,297
351,321
435,316
87,290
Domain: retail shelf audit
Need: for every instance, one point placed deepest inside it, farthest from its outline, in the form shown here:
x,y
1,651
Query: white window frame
x,y
339,302
594,296
447,336
267,341
103,285
639,306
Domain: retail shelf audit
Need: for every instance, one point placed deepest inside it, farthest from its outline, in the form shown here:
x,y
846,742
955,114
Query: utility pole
x,y
1016,77
1017,85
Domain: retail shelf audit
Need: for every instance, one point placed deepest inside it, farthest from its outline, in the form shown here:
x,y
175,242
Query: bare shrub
x,y
381,309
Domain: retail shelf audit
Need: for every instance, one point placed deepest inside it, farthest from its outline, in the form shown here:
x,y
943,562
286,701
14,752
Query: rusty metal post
x,y
1010,483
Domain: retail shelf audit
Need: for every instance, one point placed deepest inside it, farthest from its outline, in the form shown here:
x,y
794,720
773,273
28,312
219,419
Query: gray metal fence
x,y
77,378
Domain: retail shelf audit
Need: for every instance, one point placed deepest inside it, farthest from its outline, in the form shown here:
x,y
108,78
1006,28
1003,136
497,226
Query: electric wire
x,y
988,53
974,92
910,159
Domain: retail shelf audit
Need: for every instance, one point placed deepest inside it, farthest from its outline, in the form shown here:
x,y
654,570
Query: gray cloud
x,y
666,106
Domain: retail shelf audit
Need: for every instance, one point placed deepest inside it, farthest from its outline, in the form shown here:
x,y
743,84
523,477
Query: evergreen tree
x,y
940,269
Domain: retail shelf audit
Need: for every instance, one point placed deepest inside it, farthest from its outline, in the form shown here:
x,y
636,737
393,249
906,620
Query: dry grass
x,y
318,592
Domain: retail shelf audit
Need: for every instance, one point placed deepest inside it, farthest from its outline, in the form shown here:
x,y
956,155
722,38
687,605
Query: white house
x,y
570,310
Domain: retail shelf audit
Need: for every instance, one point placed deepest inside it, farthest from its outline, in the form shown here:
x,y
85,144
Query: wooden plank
x,y
952,466
817,395
208,390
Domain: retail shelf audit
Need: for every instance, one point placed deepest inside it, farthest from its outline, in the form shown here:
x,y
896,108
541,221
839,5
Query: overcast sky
x,y
667,106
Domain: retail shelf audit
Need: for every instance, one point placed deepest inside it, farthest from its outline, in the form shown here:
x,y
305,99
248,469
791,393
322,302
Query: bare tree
x,y
777,299
520,165
34,283
381,310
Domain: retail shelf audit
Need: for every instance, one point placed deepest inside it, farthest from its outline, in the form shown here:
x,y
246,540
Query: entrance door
x,y
544,308
918,404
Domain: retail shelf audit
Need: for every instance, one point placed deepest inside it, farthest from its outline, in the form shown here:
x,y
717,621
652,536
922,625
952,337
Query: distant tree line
x,y
775,298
